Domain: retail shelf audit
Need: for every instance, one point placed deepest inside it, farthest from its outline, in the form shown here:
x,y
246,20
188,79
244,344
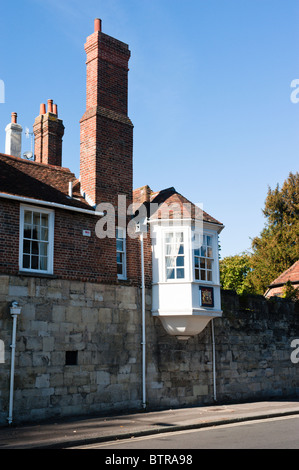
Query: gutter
x,y
50,204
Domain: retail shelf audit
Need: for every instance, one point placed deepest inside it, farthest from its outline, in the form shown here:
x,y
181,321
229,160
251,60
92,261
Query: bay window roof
x,y
171,205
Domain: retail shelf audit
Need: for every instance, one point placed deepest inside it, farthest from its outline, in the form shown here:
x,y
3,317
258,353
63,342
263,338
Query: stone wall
x,y
101,324
252,356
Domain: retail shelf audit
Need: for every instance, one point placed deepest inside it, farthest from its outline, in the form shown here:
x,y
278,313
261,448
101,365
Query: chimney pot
x,y
55,109
13,140
50,106
97,25
42,109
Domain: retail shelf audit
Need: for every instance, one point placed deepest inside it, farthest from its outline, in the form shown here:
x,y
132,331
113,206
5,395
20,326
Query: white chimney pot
x,y
13,141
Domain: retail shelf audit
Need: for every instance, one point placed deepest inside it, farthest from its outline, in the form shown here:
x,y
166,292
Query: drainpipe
x,y
214,362
141,227
15,310
143,323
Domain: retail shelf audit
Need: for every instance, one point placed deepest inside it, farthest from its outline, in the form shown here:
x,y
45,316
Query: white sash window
x,y
36,239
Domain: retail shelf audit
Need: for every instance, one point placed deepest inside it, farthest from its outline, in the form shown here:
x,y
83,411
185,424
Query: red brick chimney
x,y
106,132
48,132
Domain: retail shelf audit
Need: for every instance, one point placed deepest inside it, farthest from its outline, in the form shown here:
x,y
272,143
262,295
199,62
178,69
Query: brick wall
x,y
76,257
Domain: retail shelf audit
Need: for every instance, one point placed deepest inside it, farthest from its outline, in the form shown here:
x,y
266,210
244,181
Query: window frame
x,y
185,255
206,258
50,242
122,276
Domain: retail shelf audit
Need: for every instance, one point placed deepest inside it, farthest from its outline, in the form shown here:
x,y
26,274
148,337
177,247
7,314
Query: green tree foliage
x,y
277,247
290,292
233,273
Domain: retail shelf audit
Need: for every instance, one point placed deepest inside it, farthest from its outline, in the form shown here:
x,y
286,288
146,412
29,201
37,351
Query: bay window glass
x,y
174,255
203,257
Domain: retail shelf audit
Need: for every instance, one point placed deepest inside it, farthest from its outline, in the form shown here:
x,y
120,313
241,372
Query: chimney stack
x,y
106,132
13,141
48,132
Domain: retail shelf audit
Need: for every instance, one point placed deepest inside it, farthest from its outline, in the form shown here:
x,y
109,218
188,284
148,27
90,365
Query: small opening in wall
x,y
71,358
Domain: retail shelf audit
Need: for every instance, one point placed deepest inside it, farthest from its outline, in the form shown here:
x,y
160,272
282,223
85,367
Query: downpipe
x,y
214,361
15,311
143,324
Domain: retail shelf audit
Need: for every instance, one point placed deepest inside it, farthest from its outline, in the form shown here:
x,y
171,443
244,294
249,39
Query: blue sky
x,y
209,92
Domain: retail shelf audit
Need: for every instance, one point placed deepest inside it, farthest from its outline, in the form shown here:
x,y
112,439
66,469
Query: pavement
x,y
79,431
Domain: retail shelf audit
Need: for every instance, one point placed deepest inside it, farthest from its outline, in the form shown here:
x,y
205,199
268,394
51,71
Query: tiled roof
x,y
291,274
20,177
170,199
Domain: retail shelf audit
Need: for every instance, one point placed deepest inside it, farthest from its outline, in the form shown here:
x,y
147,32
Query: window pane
x,y
27,231
119,257
196,262
44,234
26,262
202,275
179,237
209,252
209,241
26,246
209,264
36,218
203,251
119,268
180,273
168,237
170,273
119,245
44,220
44,263
28,217
170,250
197,274
180,261
34,262
202,263
34,248
43,249
209,275
170,261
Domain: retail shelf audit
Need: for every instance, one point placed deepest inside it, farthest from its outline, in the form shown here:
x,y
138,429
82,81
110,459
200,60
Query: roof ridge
x,y
43,165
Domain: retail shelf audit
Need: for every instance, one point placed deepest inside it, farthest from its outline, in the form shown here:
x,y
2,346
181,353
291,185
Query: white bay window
x,y
203,257
174,255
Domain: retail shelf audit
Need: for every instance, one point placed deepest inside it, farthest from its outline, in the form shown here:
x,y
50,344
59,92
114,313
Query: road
x,y
273,433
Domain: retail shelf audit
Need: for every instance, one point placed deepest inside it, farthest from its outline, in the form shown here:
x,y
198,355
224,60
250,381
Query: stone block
x,y
200,390
42,381
4,284
18,291
103,378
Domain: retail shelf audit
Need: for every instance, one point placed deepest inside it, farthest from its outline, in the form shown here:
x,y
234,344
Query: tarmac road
x,y
79,431
272,433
